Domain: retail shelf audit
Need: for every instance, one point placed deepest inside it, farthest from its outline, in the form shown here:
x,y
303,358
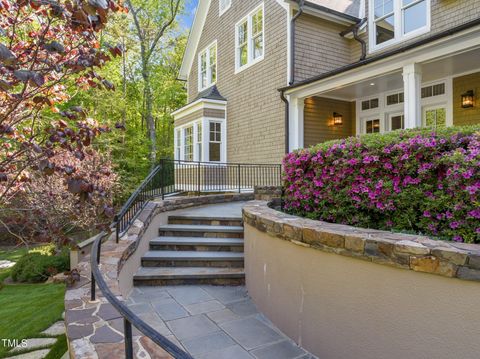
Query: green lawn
x,y
28,309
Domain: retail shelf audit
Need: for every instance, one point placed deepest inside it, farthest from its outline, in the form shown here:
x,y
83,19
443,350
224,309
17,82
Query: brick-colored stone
x,y
431,264
452,255
355,243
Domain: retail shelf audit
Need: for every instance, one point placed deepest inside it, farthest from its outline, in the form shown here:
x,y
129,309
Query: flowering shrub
x,y
418,181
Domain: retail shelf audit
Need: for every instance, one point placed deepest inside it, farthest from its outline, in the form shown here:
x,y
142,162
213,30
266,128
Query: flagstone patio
x,y
213,322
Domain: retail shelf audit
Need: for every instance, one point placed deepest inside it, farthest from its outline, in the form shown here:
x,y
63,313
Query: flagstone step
x,y
205,220
197,244
187,230
192,259
151,276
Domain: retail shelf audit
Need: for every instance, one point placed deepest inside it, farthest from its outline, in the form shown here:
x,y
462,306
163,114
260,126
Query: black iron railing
x,y
170,177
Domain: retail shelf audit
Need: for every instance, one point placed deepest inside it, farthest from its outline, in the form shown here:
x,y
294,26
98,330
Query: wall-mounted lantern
x,y
337,119
467,99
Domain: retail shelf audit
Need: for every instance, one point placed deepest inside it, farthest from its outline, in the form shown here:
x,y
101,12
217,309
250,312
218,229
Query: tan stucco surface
x,y
340,308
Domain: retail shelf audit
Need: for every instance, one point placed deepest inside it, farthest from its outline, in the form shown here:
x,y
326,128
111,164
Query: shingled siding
x,y
471,115
319,116
446,14
318,47
255,112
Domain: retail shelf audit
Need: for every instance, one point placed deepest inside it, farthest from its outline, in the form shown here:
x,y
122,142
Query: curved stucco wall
x,y
342,307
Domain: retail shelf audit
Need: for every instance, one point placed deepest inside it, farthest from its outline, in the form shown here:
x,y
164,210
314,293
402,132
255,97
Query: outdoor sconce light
x,y
337,119
467,99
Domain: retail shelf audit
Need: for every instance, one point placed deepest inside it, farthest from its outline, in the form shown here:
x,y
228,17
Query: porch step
x,y
205,220
192,259
189,276
197,244
187,230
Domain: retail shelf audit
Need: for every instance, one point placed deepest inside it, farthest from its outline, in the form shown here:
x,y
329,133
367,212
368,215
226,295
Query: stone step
x,y
187,230
205,220
192,259
189,276
197,244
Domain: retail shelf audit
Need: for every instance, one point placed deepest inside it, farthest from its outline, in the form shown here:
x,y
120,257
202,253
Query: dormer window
x,y
207,67
392,21
224,5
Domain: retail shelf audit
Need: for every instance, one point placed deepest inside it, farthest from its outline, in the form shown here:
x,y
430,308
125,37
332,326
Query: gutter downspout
x,y
354,30
292,40
287,121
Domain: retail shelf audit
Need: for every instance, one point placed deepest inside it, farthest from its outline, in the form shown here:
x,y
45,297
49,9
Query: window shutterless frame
x,y
208,66
249,32
401,9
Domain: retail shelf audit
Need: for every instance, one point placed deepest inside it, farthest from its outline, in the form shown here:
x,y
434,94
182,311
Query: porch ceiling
x,y
434,70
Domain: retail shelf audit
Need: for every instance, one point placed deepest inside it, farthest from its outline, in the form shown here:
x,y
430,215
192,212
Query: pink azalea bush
x,y
415,181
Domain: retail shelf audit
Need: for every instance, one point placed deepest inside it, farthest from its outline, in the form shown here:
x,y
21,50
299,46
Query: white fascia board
x,y
200,104
194,38
322,14
454,44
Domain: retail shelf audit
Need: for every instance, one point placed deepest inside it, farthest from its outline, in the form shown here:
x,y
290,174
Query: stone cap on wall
x,y
406,251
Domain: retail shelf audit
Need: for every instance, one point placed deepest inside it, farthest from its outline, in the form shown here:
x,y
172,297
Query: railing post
x,y
92,288
117,228
198,178
128,339
162,171
239,179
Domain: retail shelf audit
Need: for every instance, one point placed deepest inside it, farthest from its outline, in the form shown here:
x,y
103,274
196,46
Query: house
x,y
267,77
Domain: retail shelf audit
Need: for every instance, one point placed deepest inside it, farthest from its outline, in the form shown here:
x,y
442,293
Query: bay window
x,y
250,39
395,20
207,67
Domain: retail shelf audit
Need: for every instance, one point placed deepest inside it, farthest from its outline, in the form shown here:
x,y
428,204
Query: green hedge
x,y
36,267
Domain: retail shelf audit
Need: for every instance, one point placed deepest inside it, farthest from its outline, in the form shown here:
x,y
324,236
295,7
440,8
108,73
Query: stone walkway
x,y
38,348
213,322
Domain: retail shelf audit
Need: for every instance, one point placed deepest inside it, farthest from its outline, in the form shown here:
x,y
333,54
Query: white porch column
x,y
295,128
412,82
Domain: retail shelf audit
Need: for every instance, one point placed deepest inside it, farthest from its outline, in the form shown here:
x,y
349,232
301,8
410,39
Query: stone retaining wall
x,y
95,329
412,252
306,277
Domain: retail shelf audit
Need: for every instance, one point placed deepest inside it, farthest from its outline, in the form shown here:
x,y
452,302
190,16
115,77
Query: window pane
x,y
369,128
436,117
242,33
188,141
214,150
258,46
365,105
401,97
415,17
383,7
243,55
392,99
374,103
385,29
438,89
257,22
397,122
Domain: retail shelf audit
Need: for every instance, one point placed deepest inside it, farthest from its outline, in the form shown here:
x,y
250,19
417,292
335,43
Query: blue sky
x,y
187,18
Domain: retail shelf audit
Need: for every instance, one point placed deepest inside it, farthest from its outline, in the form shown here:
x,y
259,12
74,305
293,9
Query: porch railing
x,y
170,177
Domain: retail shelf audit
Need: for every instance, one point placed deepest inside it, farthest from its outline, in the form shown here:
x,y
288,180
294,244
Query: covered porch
x,y
436,85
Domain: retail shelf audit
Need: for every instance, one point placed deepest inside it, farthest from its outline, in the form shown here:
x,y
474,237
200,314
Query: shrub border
x,y
405,251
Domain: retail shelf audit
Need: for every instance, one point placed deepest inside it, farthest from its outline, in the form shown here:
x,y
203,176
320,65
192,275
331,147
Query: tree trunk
x,y
152,133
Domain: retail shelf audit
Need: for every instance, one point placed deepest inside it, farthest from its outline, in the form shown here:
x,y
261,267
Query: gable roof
x,y
347,7
193,38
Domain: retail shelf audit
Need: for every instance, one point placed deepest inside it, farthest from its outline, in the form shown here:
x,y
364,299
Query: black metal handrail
x,y
129,318
173,176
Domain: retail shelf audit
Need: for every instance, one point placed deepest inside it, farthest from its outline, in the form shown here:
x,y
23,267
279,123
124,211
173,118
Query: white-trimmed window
x,y
215,141
178,144
392,21
250,39
224,5
207,67
188,143
198,141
